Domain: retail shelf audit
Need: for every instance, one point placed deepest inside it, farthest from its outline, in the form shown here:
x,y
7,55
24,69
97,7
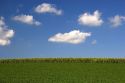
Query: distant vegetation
x,y
60,60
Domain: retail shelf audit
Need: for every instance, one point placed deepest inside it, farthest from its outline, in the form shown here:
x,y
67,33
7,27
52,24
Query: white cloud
x,y
117,20
28,19
94,42
91,19
73,37
2,23
5,33
47,8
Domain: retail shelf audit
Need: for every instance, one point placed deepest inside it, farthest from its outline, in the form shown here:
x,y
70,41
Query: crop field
x,y
65,70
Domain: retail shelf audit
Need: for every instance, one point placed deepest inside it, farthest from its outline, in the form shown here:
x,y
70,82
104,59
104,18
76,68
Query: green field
x,y
65,71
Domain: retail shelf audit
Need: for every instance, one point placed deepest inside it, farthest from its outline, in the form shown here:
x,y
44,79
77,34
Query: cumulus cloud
x,y
117,20
91,19
73,37
5,33
47,8
27,19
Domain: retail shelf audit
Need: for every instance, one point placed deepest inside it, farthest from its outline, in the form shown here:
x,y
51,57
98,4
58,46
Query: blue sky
x,y
62,28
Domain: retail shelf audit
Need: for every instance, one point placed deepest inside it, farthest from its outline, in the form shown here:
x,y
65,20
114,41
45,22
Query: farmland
x,y
62,70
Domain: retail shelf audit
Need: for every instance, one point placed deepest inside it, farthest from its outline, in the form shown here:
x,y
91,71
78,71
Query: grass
x,y
65,71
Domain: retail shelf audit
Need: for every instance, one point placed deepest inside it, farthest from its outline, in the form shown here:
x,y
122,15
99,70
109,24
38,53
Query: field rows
x,y
73,71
